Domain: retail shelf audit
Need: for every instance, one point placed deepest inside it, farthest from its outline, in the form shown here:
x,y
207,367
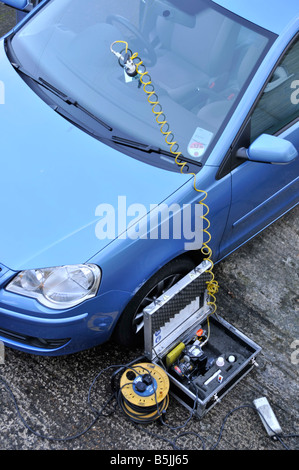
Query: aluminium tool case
x,y
203,362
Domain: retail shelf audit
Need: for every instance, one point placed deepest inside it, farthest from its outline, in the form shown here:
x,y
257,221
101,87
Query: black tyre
x,y
129,330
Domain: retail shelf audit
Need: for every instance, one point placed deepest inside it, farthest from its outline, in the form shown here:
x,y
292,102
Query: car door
x,y
262,192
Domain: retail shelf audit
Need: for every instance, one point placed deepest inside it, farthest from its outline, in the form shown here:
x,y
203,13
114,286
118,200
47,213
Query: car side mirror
x,y
18,4
269,149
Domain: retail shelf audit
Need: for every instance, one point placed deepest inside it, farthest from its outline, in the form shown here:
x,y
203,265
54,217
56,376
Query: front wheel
x,y
130,328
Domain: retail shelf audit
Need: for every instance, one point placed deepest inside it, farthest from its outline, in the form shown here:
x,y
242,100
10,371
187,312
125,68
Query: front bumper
x,y
28,326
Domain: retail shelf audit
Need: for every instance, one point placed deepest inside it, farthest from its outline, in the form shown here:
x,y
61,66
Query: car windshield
x,y
200,58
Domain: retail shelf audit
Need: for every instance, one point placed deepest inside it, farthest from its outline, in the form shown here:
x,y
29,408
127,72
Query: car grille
x,y
41,343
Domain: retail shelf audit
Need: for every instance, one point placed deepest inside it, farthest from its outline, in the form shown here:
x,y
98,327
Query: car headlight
x,y
60,287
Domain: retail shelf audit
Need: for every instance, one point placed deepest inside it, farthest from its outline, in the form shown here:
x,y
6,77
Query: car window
x,y
279,104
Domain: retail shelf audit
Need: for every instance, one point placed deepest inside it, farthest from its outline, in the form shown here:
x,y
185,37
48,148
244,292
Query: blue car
x,y
101,203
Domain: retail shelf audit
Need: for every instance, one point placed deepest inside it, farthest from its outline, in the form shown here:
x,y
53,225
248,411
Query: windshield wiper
x,y
115,139
150,149
65,98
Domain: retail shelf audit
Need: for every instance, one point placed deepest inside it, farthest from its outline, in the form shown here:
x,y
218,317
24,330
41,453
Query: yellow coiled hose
x,y
152,98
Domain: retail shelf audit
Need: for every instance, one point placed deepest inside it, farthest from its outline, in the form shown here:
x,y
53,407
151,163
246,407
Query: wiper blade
x,y
150,149
67,99
116,139
138,145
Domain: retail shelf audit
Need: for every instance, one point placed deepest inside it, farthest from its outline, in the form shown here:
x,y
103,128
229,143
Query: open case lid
x,y
177,312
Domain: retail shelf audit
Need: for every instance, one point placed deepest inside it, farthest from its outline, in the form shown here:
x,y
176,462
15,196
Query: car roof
x,y
273,15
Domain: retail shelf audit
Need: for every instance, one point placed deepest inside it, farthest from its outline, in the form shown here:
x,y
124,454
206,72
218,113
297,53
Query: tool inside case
x,y
203,355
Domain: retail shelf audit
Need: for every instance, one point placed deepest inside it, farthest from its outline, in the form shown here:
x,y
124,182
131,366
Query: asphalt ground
x,y
45,402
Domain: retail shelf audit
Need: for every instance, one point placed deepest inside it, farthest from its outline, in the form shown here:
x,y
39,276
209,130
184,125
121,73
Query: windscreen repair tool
x,y
200,367
203,364
135,68
125,59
